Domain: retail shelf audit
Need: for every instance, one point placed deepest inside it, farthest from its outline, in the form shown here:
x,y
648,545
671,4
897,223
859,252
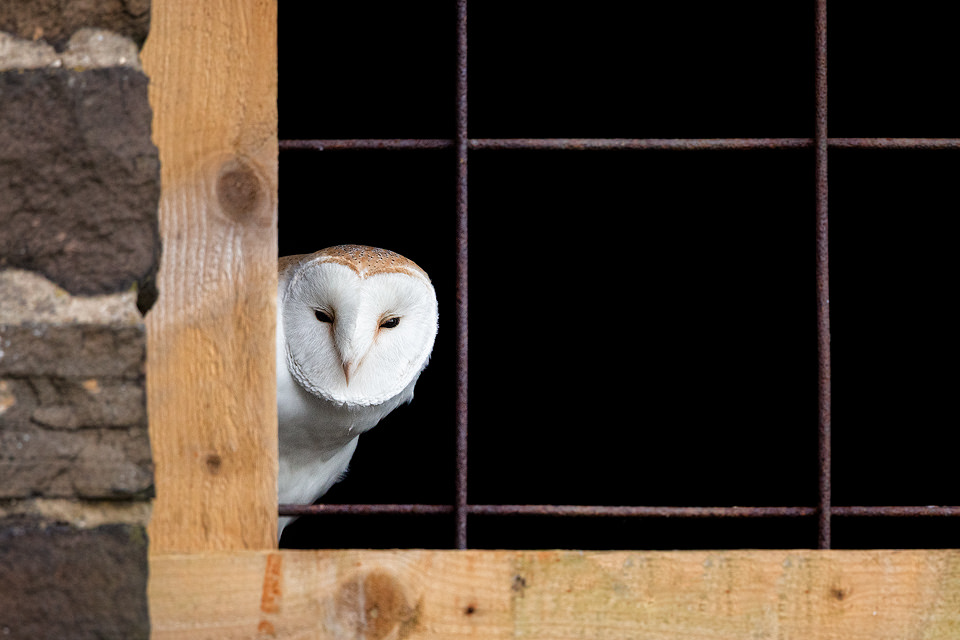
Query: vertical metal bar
x,y
461,146
823,280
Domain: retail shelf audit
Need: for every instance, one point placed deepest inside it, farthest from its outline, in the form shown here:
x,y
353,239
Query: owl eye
x,y
390,324
322,317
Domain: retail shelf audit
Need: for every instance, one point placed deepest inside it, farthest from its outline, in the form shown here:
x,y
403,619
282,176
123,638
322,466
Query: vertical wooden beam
x,y
210,374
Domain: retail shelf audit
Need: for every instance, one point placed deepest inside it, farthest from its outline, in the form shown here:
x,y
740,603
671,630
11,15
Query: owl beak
x,y
350,348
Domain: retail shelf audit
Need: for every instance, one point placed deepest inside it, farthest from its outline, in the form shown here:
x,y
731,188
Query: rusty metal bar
x,y
363,509
897,512
823,281
364,144
894,143
639,512
613,144
462,343
561,144
551,510
617,511
642,144
706,144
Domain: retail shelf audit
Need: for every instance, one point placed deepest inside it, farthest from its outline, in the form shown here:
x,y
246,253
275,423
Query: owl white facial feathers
x,y
355,327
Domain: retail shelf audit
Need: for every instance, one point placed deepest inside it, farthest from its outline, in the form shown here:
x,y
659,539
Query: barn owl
x,y
355,328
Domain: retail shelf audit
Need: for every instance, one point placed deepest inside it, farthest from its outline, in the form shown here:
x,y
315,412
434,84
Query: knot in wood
x,y
213,462
372,605
242,194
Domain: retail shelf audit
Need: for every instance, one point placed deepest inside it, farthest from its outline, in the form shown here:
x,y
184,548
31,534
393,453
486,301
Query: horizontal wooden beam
x,y
706,595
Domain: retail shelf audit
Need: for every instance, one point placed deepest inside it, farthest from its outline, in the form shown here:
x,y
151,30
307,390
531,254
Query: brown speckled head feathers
x,y
365,261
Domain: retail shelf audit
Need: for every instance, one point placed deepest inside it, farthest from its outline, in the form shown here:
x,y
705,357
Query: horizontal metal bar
x,y
363,144
897,512
643,512
894,143
363,509
612,144
617,511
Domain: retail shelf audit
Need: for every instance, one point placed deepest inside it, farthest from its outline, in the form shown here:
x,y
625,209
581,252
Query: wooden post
x,y
210,374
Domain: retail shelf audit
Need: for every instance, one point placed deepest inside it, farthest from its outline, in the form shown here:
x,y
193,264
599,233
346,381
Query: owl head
x,y
359,322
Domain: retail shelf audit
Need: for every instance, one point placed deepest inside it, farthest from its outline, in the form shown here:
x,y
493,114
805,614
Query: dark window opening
x,y
643,294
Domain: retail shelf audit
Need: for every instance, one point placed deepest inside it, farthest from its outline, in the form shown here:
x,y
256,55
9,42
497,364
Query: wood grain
x,y
210,374
703,595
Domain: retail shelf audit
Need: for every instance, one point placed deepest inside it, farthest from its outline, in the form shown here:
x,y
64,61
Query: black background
x,y
643,323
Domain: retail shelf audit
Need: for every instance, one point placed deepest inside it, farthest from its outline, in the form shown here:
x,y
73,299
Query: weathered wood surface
x,y
708,595
210,375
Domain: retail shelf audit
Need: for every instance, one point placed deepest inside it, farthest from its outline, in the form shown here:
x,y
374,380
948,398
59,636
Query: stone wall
x,y
79,244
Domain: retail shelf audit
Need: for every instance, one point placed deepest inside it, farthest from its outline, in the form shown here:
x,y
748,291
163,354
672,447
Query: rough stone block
x,y
56,20
87,463
73,418
62,582
79,176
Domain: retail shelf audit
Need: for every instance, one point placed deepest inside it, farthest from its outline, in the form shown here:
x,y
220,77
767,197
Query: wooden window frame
x,y
215,571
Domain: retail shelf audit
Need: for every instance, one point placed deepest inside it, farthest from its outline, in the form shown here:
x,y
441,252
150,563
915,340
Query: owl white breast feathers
x,y
355,327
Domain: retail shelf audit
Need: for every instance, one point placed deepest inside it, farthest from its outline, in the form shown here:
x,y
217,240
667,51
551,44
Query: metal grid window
x,y
698,297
